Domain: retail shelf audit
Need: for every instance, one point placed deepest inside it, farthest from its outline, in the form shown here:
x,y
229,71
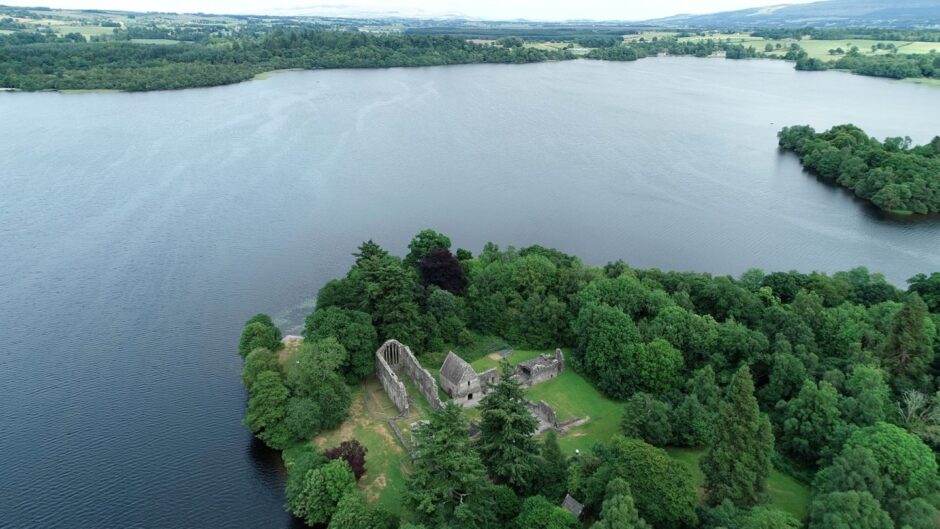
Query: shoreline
x,y
923,81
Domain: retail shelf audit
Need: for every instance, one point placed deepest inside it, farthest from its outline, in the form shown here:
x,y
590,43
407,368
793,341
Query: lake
x,y
139,231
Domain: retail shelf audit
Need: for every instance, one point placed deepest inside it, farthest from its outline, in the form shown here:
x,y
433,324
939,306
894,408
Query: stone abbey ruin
x,y
392,359
461,383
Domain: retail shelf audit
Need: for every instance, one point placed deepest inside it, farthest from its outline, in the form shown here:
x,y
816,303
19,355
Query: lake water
x,y
139,231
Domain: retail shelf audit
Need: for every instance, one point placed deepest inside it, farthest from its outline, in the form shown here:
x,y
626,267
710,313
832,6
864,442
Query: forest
x,y
149,56
831,378
894,175
34,61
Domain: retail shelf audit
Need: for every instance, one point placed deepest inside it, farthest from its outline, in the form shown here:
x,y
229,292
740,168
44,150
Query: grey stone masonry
x,y
540,369
393,358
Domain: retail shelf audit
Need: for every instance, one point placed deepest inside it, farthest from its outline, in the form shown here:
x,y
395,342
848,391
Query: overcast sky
x,y
489,9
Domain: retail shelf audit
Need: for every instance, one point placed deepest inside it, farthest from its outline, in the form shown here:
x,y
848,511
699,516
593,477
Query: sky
x,y
486,9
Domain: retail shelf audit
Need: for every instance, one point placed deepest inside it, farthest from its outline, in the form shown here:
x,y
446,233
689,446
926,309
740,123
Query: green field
x,y
819,49
384,481
87,31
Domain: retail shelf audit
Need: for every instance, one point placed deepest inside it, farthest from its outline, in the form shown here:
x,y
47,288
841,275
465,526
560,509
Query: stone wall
x,y
540,369
393,386
391,360
422,378
548,419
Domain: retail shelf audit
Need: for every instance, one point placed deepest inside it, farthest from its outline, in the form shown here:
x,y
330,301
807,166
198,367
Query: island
x,y
524,388
894,175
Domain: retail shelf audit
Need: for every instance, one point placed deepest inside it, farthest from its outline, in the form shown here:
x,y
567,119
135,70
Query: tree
x,y
658,365
369,250
787,375
312,372
259,334
768,518
441,269
323,489
927,287
552,469
847,510
920,415
390,297
646,418
907,464
539,513
738,460
662,487
423,243
354,331
352,512
619,511
909,350
506,445
257,362
692,423
307,461
267,408
353,453
304,417
606,337
866,396
446,471
855,469
813,429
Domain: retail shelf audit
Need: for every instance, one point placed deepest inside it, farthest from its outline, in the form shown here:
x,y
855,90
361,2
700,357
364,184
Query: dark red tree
x,y
353,453
441,268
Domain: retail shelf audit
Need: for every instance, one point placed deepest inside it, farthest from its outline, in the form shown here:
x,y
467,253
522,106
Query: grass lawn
x,y
386,460
87,31
573,396
786,493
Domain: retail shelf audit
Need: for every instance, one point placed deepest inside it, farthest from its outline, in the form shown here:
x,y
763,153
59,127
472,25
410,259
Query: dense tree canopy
x,y
838,372
892,174
51,63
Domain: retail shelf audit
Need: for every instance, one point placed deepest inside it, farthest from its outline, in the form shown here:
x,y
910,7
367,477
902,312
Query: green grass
x,y
493,359
386,460
571,395
87,31
785,493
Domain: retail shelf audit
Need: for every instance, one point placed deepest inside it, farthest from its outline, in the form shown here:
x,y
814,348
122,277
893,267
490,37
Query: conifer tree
x,y
738,460
447,473
553,467
619,511
908,352
506,444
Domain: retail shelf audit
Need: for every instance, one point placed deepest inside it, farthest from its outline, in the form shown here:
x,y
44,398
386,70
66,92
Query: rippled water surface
x,y
139,231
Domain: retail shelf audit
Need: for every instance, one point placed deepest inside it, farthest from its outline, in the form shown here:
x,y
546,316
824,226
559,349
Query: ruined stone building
x,y
465,386
539,369
394,359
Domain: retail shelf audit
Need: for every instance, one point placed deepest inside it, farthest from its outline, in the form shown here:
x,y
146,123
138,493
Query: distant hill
x,y
831,13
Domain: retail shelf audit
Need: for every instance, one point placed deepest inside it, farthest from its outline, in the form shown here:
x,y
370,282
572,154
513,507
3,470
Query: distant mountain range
x,y
831,13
